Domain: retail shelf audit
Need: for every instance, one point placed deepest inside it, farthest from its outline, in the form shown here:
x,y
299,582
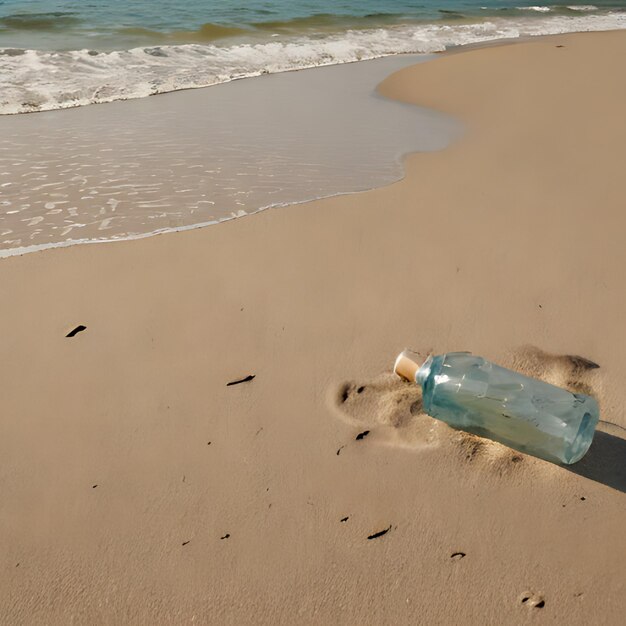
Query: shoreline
x,y
138,168
139,486
162,230
151,76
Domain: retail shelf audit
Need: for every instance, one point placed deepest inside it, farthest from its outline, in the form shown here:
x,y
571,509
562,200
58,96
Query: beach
x,y
139,486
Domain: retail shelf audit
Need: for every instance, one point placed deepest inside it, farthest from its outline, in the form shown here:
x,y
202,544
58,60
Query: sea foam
x,y
35,80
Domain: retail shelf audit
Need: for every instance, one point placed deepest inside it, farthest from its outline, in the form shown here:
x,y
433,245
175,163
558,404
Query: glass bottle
x,y
472,394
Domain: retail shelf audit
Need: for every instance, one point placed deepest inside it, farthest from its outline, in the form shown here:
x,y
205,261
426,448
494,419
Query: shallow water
x,y
126,169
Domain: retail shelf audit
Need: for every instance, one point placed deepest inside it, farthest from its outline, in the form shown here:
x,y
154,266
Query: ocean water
x,y
66,53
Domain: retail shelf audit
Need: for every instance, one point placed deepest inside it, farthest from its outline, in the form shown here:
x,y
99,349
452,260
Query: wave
x,y
327,21
448,14
56,20
584,8
206,33
318,23
539,9
542,9
33,80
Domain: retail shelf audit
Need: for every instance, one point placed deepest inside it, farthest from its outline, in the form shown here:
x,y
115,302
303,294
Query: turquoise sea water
x,y
119,24
64,53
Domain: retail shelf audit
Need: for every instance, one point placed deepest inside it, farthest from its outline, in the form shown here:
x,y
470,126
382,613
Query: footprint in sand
x,y
532,600
391,409
387,409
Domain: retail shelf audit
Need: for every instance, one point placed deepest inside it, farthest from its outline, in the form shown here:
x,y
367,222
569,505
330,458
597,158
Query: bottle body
x,y
472,394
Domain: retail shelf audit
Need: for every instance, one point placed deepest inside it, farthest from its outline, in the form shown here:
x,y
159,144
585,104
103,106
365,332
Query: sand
x,y
137,487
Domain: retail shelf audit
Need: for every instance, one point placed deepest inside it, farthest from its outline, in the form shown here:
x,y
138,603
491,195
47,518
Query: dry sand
x,y
137,487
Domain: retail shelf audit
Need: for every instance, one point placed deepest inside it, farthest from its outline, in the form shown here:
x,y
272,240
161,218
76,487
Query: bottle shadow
x,y
605,462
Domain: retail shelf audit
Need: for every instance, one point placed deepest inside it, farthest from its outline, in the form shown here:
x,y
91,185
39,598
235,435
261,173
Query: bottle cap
x,y
406,365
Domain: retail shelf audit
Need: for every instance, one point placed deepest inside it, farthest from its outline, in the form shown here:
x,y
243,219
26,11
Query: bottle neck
x,y
407,367
424,371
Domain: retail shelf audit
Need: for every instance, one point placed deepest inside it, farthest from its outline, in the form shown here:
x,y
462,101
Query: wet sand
x,y
139,487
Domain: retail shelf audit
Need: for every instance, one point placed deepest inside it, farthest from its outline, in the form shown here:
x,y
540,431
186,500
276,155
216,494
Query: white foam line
x,y
40,81
10,252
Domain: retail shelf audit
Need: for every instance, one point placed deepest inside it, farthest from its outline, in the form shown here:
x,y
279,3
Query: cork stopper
x,y
406,366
